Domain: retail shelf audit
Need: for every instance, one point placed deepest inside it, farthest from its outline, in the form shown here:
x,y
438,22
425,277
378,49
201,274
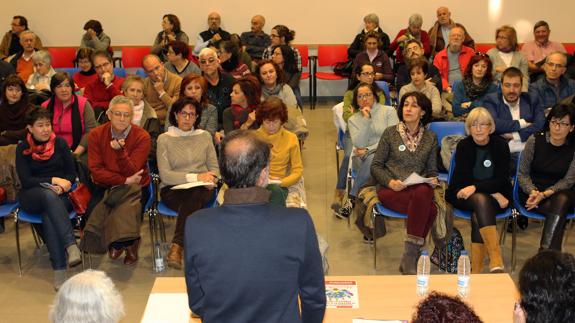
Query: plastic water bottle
x,y
159,265
463,274
423,270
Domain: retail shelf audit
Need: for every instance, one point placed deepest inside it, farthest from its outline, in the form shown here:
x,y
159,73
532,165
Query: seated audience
x,y
286,167
439,308
480,184
11,41
506,54
371,22
101,91
89,296
554,86
6,69
117,160
47,170
212,36
413,51
537,50
546,285
22,60
282,35
365,129
43,72
271,80
517,115
87,73
290,283
439,32
95,38
161,87
246,98
453,59
377,57
143,114
171,30
229,54
178,62
413,31
186,154
418,70
72,115
547,173
243,55
196,87
256,40
364,74
219,84
283,56
477,83
13,108
409,147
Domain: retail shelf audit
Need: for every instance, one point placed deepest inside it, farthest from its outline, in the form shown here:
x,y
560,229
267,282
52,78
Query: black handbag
x,y
344,69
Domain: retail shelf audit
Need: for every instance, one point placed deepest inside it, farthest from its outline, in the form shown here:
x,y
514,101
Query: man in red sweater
x,y
100,91
117,157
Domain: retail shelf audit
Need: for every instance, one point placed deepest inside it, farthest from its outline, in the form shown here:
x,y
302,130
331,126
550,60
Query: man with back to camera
x,y
249,260
212,36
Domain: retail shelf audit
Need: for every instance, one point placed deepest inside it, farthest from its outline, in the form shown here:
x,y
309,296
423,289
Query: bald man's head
x,y
244,160
443,16
214,21
258,22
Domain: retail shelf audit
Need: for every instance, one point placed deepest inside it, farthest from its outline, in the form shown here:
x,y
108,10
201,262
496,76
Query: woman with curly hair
x,y
439,308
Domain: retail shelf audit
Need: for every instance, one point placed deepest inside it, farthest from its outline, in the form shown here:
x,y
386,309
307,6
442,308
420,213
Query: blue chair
x,y
119,71
69,70
385,87
23,216
508,212
521,208
140,72
381,210
446,128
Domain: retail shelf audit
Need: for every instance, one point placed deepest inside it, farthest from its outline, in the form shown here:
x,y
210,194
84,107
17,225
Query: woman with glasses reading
x,y
186,155
480,184
547,173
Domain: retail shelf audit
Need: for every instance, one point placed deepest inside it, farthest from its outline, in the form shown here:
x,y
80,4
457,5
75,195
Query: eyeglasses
x,y
559,124
480,126
101,66
553,65
210,60
119,114
367,74
187,115
364,96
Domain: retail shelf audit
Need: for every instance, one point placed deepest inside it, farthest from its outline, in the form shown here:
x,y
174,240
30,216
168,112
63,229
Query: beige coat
x,y
172,84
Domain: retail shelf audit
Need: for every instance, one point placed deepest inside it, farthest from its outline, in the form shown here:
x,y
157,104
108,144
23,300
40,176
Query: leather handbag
x,y
80,197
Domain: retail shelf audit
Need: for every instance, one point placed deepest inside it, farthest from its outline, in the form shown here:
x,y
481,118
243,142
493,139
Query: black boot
x,y
553,230
2,228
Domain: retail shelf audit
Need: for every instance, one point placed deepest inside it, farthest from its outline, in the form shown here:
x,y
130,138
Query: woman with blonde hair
x,y
480,184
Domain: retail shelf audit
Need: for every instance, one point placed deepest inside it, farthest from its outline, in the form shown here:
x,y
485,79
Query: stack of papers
x,y
415,178
192,184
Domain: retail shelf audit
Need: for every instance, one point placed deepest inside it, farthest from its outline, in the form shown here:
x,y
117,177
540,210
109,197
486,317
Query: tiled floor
x,y
28,298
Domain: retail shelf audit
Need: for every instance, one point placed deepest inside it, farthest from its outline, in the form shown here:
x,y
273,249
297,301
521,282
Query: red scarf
x,y
240,115
40,152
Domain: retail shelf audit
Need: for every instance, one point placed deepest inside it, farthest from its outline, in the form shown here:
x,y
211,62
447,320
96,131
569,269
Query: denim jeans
x,y
362,168
347,148
56,226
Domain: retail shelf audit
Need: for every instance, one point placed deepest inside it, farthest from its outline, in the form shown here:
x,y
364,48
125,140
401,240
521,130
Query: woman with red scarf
x,y
246,93
47,170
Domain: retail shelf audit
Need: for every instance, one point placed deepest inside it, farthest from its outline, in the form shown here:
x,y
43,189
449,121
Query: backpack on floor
x,y
450,253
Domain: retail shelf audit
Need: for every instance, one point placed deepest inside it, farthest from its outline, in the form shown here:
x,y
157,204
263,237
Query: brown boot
x,y
477,256
132,253
175,256
338,196
491,242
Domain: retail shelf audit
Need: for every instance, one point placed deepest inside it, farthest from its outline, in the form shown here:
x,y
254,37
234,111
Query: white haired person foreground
x,y
89,296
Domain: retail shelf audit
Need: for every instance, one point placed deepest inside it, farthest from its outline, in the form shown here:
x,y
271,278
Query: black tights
x,y
484,208
559,203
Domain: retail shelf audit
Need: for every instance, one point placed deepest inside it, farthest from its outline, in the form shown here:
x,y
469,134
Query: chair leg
x,y
162,228
374,223
18,246
514,241
503,235
336,161
36,236
152,219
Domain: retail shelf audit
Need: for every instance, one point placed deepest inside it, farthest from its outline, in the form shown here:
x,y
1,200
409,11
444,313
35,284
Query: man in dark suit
x,y
249,260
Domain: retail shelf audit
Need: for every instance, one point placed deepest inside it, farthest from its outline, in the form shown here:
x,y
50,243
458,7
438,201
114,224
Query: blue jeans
x,y
57,229
362,168
347,148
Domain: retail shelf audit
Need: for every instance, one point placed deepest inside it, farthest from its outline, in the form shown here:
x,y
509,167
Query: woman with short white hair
x,y
371,22
480,184
43,71
413,31
89,296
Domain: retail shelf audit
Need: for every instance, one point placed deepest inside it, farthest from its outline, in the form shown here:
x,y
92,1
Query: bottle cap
x,y
463,253
425,253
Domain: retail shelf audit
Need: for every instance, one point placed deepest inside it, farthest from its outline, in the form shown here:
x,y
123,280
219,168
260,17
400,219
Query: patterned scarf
x,y
409,140
42,151
240,115
474,91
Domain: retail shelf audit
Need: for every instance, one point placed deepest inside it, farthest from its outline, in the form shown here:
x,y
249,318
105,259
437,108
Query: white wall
x,y
136,22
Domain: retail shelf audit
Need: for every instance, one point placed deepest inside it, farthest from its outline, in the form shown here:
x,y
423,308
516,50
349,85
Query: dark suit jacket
x,y
250,262
529,110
